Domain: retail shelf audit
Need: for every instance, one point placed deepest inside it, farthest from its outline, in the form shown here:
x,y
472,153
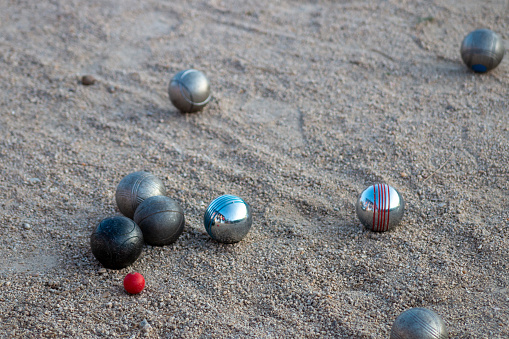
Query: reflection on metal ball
x,y
419,323
161,220
189,90
482,50
116,242
380,207
136,187
228,219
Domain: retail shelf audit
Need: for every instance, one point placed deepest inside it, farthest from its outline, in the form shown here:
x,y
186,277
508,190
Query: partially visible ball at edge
x,y
419,323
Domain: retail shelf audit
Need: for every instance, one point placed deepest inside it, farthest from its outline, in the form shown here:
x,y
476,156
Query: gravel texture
x,y
313,101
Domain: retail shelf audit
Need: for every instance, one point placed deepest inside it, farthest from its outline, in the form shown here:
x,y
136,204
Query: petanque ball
x,y
228,219
189,90
419,323
161,219
380,207
482,50
136,187
116,242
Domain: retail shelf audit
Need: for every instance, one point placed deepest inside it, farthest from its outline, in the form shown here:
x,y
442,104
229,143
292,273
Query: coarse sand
x,y
313,101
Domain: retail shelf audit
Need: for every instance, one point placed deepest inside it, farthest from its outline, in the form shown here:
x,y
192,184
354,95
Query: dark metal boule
x,y
116,242
136,187
161,220
482,50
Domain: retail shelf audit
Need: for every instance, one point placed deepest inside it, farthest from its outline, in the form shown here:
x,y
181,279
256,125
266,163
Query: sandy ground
x,y
312,102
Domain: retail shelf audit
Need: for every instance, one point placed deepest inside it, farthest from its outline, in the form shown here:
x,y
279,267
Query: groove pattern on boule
x,y
116,242
136,187
161,220
419,323
189,90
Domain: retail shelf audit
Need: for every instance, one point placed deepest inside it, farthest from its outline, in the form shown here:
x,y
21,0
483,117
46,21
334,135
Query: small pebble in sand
x,y
145,326
34,181
88,80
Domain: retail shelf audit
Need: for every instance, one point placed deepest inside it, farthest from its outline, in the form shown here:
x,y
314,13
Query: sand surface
x,y
313,101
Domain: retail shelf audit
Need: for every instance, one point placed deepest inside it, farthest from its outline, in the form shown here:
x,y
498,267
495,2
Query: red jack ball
x,y
134,283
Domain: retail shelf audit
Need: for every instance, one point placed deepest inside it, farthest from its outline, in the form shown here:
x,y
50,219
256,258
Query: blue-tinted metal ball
x,y
161,220
419,323
228,219
189,90
482,50
116,242
380,207
136,187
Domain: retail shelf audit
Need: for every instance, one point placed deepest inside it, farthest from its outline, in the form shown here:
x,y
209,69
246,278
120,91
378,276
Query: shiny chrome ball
x,y
380,207
116,242
161,220
419,323
136,187
482,50
228,219
189,90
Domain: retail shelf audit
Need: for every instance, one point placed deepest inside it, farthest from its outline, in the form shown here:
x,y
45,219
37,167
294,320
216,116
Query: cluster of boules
x,y
151,217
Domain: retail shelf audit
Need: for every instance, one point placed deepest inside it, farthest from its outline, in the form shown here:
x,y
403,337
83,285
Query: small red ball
x,y
134,283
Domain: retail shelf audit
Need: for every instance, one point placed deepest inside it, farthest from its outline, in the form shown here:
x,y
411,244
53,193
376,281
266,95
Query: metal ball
x,y
136,187
380,207
419,323
228,219
189,90
482,50
116,242
161,220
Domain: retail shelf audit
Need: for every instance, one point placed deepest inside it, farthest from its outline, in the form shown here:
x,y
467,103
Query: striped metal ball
x,y
136,187
116,242
228,219
419,323
161,220
189,90
482,50
380,207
